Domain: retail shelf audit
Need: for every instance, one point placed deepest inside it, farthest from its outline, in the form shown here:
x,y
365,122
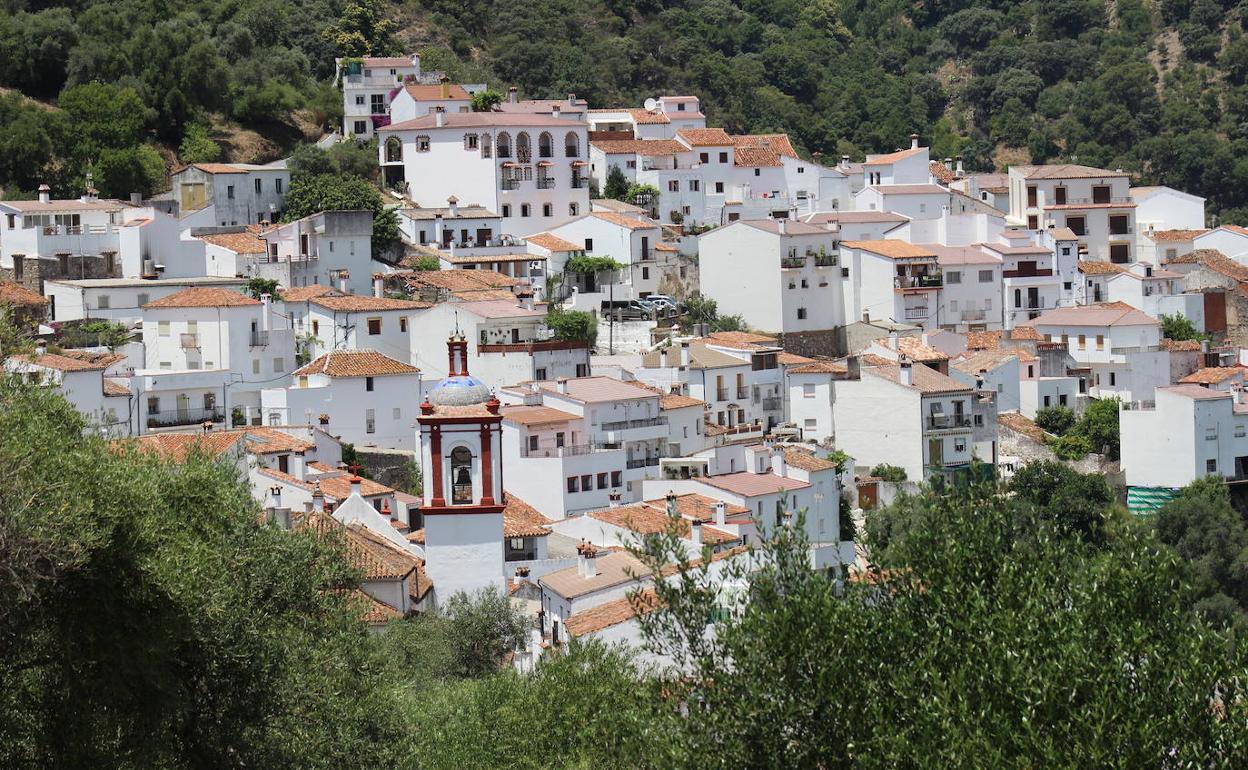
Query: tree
x,y
886,472
132,169
258,287
486,101
983,620
101,116
617,184
197,145
486,628
1210,535
1175,326
703,310
1099,425
363,30
573,325
1078,503
1056,419
324,192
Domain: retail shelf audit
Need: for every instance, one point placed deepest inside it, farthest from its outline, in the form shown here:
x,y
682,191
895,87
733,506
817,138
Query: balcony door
x,y
184,407
936,451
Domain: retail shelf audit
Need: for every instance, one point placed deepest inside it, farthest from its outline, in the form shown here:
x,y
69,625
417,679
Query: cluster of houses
x,y
901,313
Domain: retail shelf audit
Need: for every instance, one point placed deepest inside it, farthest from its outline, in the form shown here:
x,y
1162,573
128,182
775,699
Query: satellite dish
x,y
651,105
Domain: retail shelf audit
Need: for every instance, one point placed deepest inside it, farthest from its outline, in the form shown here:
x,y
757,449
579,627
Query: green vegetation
x,y
486,101
886,472
588,263
311,194
616,185
840,458
92,332
704,310
258,287
1179,327
1056,419
425,264
1095,431
573,324
198,146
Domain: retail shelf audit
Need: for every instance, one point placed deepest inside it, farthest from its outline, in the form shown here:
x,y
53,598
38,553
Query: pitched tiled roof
x,y
892,249
176,447
239,243
373,555
776,143
1104,314
922,378
691,505
705,137
623,220
535,415
915,348
15,294
305,293
645,147
650,518
745,340
523,520
1020,424
613,569
552,242
359,303
613,613
983,340
806,460
1212,259
597,389
677,401
356,363
748,484
793,359
204,296
941,174
1176,346
1065,171
219,168
59,363
976,361
1212,375
482,120
821,367
756,157
1167,236
335,487
433,93
115,388
372,611
893,157
1096,267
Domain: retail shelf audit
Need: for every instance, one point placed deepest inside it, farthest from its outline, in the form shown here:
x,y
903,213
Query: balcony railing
x,y
826,260
558,451
259,339
915,313
545,182
642,462
174,417
579,182
1031,273
721,394
511,184
1094,200
792,262
533,346
1136,349
974,315
948,421
649,422
918,281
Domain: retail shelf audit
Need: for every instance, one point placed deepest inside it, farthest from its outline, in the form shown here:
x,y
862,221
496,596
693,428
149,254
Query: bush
x,y
426,264
1179,327
1071,447
573,325
1056,419
886,472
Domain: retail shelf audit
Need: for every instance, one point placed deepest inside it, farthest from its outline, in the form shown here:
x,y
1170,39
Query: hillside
x,y
1155,88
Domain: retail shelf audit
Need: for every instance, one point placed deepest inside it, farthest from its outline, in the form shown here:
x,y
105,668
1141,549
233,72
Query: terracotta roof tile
x,y
650,518
359,303
745,339
1212,375
1096,267
644,147
805,460
1176,346
372,611
305,293
239,243
59,363
749,484
756,157
176,447
1168,236
983,340
203,296
523,520
612,613
623,220
1020,424
15,294
923,378
892,249
780,144
914,348
705,137
821,367
552,242
219,168
941,174
613,569
433,93
1214,260
1065,171
115,388
692,505
535,415
793,359
356,363
1103,314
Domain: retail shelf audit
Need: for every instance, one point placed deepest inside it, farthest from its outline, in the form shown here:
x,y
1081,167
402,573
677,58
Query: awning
x,y
579,163
1144,501
544,163
509,164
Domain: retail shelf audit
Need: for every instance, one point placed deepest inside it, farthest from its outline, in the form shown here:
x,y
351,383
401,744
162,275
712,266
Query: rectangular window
x,y
532,443
1211,466
985,276
723,157
673,185
1083,341
255,366
370,421
258,183
524,209
374,326
403,324
617,478
548,210
153,405
229,191
1078,225
587,482
506,210
808,391
574,484
559,438
704,157
602,480
279,365
719,187
368,384
162,328
277,185
1100,342
693,185
801,314
953,276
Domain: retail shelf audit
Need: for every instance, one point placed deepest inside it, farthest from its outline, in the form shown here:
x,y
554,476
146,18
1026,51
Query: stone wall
x,y
37,269
822,342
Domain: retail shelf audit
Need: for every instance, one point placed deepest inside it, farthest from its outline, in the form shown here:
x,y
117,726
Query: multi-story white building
x,y
508,340
1161,208
1183,433
415,100
531,169
332,247
337,321
207,351
894,280
633,241
971,296
907,415
368,86
119,299
364,397
1094,203
106,402
812,395
1031,281
229,194
1155,292
781,276
1118,343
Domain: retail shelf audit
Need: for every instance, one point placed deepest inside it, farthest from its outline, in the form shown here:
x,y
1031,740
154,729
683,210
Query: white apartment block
x,y
1164,209
890,279
508,342
971,296
338,321
633,241
1184,433
332,247
209,350
229,194
107,403
415,100
531,169
363,397
1153,291
119,299
812,398
369,84
1094,203
781,276
1118,344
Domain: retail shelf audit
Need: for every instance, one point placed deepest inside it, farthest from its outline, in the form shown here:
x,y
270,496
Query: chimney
x,y
844,162
41,348
904,368
1148,271
439,116
45,193
949,164
866,316
684,355
979,379
438,227
695,533
90,195
721,513
817,158
136,199
562,385
318,498
778,466
446,87
526,300
379,285
452,206
781,225
914,141
893,337
266,310
614,498
343,275
554,110
958,169
853,368
356,485
587,559
512,96
571,100
275,513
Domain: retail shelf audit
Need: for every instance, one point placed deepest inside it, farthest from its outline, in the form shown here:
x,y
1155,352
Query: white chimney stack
x,y
959,170
695,533
437,229
554,110
526,300
266,311
439,116
906,372
914,141
778,466
721,513
571,100
452,206
684,355
318,498
782,226
587,559
41,348
562,385
379,285
844,162
45,194
356,485
614,498
512,95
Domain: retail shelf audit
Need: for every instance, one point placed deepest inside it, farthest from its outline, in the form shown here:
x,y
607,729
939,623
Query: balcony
x,y
175,417
974,315
721,394
772,404
916,313
1095,200
545,182
649,422
826,260
533,346
580,182
791,262
190,342
918,281
259,339
510,184
642,462
1028,273
948,421
647,255
1135,349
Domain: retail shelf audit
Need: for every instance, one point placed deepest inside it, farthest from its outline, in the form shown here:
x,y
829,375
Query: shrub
x,y
887,472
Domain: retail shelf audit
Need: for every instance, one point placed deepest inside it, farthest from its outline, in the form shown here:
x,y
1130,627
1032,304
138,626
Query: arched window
x,y
394,150
485,145
461,476
504,145
524,150
572,145
545,145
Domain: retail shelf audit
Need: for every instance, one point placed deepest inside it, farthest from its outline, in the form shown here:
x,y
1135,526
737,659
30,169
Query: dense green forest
x,y
1158,88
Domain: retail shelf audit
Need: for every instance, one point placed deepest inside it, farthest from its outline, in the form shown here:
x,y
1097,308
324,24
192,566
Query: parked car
x,y
628,310
662,301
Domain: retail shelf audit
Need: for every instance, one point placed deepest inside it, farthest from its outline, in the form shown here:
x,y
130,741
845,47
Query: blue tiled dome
x,y
459,390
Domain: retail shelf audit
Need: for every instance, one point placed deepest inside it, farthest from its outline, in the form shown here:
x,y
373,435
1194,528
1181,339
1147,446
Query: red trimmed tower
x,y
461,453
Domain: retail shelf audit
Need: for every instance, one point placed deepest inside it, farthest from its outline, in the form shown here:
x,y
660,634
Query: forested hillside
x,y
1157,88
